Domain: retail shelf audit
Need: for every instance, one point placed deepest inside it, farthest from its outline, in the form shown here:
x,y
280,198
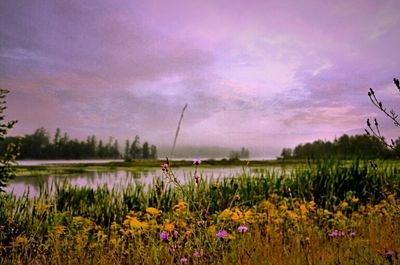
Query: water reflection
x,y
118,179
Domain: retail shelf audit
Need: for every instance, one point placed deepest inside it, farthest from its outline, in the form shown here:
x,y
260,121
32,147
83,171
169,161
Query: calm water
x,y
52,162
120,178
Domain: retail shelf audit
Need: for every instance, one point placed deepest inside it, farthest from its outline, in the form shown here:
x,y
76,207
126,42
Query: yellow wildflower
x,y
21,240
391,197
180,207
59,229
212,230
340,215
303,209
267,206
312,206
152,210
283,207
292,215
169,227
133,222
226,214
278,221
343,205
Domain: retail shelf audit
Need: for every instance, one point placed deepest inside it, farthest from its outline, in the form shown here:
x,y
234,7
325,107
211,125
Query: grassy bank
x,y
329,212
151,164
140,165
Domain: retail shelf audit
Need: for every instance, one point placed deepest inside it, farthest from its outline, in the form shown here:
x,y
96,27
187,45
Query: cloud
x,y
250,72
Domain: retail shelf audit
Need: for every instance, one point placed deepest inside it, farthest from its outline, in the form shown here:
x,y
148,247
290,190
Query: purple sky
x,y
260,74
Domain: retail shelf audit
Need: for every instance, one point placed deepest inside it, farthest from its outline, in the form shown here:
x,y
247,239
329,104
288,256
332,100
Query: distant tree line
x,y
344,147
135,150
242,153
40,145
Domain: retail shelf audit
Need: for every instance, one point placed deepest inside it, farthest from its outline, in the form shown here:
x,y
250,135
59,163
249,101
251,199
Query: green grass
x,y
289,218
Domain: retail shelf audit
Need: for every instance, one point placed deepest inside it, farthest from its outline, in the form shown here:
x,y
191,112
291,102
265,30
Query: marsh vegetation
x,y
327,212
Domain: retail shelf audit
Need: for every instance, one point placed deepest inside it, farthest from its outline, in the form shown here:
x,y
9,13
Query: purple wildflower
x,y
197,179
165,167
164,235
184,260
196,162
334,234
173,248
196,254
389,253
340,234
352,234
221,234
243,229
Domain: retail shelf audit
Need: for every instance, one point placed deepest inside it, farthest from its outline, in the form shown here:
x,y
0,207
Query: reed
x,y
328,212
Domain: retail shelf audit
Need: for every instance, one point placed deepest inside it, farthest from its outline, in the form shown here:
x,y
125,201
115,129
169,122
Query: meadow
x,y
321,212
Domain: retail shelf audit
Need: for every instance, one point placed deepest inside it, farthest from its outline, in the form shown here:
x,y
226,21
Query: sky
x,y
259,74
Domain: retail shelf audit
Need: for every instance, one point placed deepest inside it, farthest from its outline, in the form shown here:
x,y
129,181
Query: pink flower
x,y
243,229
165,167
196,162
164,236
221,234
334,234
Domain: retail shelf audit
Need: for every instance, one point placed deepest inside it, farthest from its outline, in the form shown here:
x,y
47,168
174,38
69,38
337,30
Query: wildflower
x,y
334,234
352,234
197,179
221,234
133,222
164,236
337,234
165,167
236,197
196,162
180,207
152,210
173,248
389,253
196,254
169,227
184,260
243,229
59,229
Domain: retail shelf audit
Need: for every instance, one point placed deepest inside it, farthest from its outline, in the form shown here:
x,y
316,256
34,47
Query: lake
x,y
121,178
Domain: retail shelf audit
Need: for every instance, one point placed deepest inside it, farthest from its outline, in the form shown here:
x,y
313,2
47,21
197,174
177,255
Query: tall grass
x,y
290,217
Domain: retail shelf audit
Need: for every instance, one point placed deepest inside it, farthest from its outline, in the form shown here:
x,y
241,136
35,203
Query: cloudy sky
x,y
260,74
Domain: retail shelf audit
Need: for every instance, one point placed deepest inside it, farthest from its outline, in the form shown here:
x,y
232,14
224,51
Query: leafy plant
x,y
7,159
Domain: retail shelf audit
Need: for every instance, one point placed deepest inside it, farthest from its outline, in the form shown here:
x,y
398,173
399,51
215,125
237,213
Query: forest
x,y
344,147
40,145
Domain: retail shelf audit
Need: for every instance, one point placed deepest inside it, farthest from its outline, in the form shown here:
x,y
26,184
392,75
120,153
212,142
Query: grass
x,y
328,212
140,165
